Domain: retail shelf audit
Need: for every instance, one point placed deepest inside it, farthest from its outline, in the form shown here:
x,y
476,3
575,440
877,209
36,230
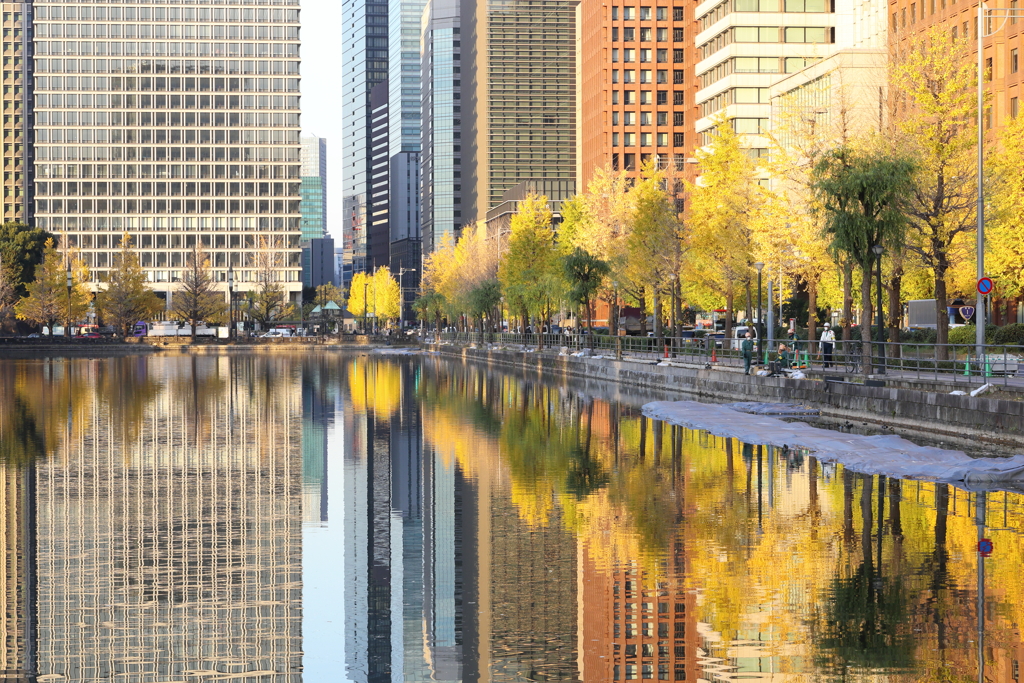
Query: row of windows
x,y
159,118
172,206
177,259
219,276
157,171
646,13
130,224
204,14
646,35
646,671
630,76
164,189
162,84
729,6
169,66
647,55
647,139
754,65
630,97
172,31
188,136
734,96
768,34
102,101
741,125
55,153
84,48
646,118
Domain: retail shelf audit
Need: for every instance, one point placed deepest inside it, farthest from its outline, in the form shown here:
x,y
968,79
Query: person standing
x,y
828,341
747,347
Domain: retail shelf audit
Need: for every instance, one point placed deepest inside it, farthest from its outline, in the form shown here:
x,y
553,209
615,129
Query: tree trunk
x,y
750,303
847,299
656,307
895,290
865,320
643,312
729,296
812,316
941,317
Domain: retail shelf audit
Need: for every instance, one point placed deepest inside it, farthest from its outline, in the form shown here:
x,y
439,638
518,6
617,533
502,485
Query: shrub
x,y
966,334
919,335
1009,334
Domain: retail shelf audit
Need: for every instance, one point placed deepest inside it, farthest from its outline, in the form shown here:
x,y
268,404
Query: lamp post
x,y
231,304
366,308
401,295
760,335
878,250
618,334
70,282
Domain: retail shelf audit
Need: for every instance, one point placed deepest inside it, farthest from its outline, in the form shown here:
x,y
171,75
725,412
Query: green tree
x,y
197,299
127,299
529,271
430,306
48,301
268,301
21,248
860,191
484,300
584,272
8,293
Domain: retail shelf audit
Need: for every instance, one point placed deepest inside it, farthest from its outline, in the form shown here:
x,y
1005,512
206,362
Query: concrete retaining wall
x,y
991,420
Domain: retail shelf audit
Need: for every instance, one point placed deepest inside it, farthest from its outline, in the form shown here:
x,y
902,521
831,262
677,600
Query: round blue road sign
x,y
984,285
985,547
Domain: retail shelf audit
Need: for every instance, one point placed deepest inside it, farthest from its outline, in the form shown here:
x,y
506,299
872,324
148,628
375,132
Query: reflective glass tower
x,y
175,124
314,187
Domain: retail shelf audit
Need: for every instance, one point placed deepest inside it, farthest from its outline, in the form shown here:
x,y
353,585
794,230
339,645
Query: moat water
x,y
363,518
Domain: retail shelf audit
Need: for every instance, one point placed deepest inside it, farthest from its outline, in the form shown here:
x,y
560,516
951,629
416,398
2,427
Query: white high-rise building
x,y
175,123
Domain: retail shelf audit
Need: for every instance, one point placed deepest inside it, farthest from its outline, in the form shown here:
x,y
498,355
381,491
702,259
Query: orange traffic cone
x,y
714,354
666,350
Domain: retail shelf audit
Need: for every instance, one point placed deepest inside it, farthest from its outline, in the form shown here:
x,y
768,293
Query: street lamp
x,y
231,303
618,333
878,250
760,333
366,308
67,328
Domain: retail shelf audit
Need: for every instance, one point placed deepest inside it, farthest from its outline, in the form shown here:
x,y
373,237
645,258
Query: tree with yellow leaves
x,y
386,295
723,205
937,78
1004,253
49,301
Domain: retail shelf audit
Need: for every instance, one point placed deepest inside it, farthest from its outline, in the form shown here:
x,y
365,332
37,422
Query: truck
x,y
921,314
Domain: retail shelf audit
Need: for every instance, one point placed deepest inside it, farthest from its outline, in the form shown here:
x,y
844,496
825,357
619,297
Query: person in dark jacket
x,y
747,347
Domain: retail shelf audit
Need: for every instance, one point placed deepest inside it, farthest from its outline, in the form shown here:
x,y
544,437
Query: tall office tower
x,y
745,46
378,233
314,187
518,105
636,85
177,125
441,141
404,21
364,65
17,566
17,74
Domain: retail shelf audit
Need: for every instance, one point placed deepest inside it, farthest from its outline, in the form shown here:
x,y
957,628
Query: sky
x,y
321,94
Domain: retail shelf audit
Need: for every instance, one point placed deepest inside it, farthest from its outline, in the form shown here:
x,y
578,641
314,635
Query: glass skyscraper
x,y
314,187
175,124
364,65
17,62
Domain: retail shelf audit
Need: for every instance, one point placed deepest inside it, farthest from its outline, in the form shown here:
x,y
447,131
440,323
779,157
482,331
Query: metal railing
x,y
948,363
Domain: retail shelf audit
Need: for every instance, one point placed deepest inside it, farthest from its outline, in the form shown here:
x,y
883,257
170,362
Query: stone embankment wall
x,y
991,420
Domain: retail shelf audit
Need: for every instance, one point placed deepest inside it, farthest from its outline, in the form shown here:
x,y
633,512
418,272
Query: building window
x,y
615,96
645,118
628,34
662,35
677,139
615,75
662,56
662,76
913,13
1013,15
677,76
629,55
615,139
629,140
1014,107
662,139
615,54
677,56
629,76
746,126
903,17
677,35
988,69
678,118
629,96
615,13
895,26
677,98
806,6
645,55
645,139
662,118
645,97
629,118
677,14
615,118
629,13
615,34
757,34
645,35
954,32
1013,61
663,14
629,164
800,34
645,14
645,75
663,97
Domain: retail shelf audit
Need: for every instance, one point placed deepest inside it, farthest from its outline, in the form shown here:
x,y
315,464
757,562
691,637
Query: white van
x,y
739,333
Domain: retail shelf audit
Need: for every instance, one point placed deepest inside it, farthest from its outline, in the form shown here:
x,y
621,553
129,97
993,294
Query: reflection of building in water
x,y
181,550
17,638
317,411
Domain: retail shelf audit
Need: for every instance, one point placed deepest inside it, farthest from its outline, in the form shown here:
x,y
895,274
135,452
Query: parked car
x,y
738,334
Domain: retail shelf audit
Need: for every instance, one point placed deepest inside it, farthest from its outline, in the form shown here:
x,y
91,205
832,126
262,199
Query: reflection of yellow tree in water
x,y
375,383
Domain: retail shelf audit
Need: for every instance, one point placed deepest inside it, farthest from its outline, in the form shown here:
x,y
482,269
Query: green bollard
x,y
988,367
967,366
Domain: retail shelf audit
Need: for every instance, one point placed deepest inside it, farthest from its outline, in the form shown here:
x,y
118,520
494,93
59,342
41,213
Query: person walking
x,y
747,347
828,341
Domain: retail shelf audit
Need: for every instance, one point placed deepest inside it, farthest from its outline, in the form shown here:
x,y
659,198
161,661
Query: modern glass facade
x,y
17,76
177,125
364,65
314,187
440,172
404,19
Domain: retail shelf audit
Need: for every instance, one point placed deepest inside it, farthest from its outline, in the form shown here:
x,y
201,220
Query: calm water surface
x,y
406,519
